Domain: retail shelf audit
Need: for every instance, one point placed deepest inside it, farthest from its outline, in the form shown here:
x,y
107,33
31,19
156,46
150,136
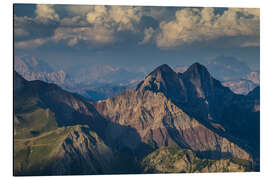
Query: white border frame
x,y
6,94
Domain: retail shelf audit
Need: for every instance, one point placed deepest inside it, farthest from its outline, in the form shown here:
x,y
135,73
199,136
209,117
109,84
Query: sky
x,y
70,36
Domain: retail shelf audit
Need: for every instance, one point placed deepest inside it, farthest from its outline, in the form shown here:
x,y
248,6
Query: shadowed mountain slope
x,y
57,133
190,111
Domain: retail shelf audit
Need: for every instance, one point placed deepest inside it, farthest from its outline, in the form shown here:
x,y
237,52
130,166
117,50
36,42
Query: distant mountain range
x,y
104,74
96,82
171,122
92,81
227,68
241,86
32,68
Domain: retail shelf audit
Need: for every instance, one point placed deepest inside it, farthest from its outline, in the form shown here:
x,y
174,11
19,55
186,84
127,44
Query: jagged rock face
x,y
159,122
195,90
164,79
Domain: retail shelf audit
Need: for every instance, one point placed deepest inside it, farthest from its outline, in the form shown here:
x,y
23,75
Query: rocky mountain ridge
x,y
162,95
189,110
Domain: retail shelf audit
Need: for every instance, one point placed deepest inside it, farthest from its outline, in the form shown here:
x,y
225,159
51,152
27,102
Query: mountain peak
x,y
162,73
197,71
164,68
197,67
199,81
164,79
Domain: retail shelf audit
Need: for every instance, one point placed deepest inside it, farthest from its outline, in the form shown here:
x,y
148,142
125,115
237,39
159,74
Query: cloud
x,y
76,21
46,12
160,13
97,34
30,44
167,27
251,44
193,24
77,10
101,24
119,18
148,34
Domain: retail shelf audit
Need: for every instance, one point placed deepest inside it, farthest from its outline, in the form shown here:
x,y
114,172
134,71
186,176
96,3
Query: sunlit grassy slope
x,y
176,160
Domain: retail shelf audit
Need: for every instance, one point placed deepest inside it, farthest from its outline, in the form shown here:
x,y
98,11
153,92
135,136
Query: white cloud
x,y
116,17
78,10
75,21
96,34
159,13
193,24
148,34
46,12
103,24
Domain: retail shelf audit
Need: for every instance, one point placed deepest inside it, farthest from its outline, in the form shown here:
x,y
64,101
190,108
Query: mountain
x,y
244,85
104,74
96,93
165,80
57,133
32,68
231,72
241,86
26,63
254,76
175,160
97,82
228,68
185,110
190,116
